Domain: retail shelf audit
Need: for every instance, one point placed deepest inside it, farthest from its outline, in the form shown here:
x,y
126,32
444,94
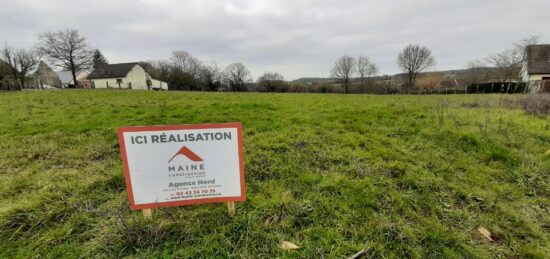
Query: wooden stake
x,y
147,213
231,208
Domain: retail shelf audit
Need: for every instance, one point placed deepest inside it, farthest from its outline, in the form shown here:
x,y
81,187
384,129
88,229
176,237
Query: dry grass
x,y
538,104
411,176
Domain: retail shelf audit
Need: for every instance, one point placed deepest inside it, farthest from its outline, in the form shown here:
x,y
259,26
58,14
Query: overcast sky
x,y
296,38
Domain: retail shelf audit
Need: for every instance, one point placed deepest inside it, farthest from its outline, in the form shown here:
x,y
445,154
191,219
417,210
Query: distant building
x,y
44,77
125,76
67,80
82,79
538,67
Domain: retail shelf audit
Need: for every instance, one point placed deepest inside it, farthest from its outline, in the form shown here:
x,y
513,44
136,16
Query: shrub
x,y
538,104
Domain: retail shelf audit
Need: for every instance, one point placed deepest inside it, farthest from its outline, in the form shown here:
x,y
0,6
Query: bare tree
x,y
508,64
5,75
511,64
413,60
20,62
161,69
343,69
211,76
271,82
237,76
372,70
187,63
365,68
66,49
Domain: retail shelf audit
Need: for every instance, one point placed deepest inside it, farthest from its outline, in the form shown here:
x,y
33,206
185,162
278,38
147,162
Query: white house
x,y
125,76
538,67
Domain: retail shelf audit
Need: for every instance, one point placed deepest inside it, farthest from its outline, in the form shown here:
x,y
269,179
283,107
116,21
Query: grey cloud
x,y
296,38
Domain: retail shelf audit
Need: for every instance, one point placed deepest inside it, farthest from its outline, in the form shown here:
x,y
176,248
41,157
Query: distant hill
x,y
456,74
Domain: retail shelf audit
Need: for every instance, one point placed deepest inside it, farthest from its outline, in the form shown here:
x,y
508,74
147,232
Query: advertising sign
x,y
182,164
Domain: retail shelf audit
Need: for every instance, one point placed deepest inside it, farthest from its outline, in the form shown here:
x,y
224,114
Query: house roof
x,y
82,75
112,70
538,59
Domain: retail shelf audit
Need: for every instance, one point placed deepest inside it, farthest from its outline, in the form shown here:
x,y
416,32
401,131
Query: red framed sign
x,y
178,165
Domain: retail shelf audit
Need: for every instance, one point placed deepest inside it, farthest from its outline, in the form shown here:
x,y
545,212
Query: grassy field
x,y
405,176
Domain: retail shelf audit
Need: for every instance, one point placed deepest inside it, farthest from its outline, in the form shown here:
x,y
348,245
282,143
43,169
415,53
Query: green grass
x,y
407,176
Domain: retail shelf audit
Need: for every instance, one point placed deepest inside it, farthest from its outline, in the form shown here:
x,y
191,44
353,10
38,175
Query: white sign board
x,y
182,164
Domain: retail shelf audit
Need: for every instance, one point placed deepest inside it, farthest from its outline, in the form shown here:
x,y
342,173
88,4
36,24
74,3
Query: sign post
x,y
147,213
231,208
180,165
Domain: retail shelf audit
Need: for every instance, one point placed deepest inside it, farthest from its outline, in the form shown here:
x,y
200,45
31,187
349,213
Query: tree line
x,y
68,50
182,71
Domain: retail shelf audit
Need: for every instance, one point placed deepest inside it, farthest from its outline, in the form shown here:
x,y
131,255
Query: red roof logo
x,y
188,153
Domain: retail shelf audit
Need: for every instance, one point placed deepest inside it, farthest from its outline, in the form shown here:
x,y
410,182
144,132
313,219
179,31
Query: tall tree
x,y
66,49
5,74
365,68
211,77
343,69
98,59
511,63
508,64
20,62
413,60
5,70
185,62
180,80
237,77
271,82
161,69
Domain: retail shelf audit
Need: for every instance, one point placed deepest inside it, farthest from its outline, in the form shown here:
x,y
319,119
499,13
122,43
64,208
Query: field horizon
x,y
397,175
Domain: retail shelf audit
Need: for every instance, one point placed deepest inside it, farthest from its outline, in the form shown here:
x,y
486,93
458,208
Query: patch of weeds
x,y
131,235
537,104
393,169
474,105
262,167
27,221
533,251
304,214
469,141
115,183
498,153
